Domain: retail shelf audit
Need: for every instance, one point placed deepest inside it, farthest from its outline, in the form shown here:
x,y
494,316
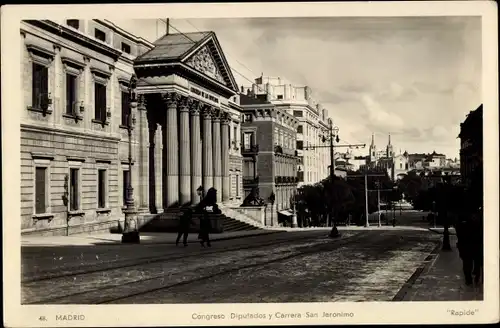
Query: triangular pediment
x,y
208,59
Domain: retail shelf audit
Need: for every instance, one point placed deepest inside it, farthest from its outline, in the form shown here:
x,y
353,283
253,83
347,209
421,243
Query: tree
x,y
411,185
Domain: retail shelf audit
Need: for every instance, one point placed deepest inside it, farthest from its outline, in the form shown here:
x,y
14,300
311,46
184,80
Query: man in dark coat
x,y
470,245
208,206
185,222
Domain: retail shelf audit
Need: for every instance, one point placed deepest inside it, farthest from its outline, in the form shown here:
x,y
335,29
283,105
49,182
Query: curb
x,y
118,243
428,262
442,232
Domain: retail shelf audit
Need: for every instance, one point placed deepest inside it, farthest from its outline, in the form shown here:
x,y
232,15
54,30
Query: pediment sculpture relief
x,y
203,61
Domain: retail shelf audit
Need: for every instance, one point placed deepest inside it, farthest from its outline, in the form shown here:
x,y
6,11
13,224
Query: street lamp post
x,y
131,229
294,212
272,198
434,212
334,137
378,200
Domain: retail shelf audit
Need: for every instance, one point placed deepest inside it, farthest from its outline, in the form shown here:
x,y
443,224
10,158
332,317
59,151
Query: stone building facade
x,y
76,112
471,149
270,158
313,123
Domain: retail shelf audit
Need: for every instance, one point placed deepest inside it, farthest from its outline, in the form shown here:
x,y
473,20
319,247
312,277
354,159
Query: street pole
x,y
131,232
367,224
378,196
294,214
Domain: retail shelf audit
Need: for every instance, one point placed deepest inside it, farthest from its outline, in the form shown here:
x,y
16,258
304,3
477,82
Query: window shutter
x,y
103,103
36,85
74,190
40,206
97,110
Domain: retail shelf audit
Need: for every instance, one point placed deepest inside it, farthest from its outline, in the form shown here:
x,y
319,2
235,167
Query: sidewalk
x,y
146,238
442,280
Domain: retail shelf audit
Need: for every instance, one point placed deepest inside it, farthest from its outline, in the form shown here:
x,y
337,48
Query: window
x,y
100,102
280,97
400,165
126,181
125,48
40,86
100,35
101,188
74,185
125,108
297,113
300,144
300,129
40,190
74,23
247,118
71,90
247,140
300,176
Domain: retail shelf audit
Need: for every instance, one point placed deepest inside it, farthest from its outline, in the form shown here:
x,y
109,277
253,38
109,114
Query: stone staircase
x,y
232,220
235,218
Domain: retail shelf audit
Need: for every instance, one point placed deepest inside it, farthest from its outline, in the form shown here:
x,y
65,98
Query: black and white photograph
x,y
252,163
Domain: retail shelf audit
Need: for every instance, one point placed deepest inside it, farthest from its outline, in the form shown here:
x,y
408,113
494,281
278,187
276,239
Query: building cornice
x,y
45,129
77,37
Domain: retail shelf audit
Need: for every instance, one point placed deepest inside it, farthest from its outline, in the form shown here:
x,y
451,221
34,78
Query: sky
x,y
413,77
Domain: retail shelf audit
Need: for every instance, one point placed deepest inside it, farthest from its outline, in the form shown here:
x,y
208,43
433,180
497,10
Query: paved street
x,y
282,267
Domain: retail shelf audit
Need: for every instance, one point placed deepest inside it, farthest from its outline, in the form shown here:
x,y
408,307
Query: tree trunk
x,y
446,234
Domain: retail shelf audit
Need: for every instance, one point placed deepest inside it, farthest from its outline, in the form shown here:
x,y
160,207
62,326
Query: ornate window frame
x,y
123,84
102,77
103,164
75,68
43,57
75,163
42,161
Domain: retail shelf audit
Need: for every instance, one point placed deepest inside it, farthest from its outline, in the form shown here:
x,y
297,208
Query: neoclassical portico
x,y
186,109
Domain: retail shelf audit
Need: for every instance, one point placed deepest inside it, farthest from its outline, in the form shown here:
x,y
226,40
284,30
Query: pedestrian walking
x,y
208,207
185,222
469,232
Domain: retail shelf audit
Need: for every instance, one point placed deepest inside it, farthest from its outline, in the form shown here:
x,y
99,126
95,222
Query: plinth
x,y
131,232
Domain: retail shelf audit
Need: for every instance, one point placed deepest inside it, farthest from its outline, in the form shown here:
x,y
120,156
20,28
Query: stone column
x,y
196,163
208,178
158,169
217,153
226,185
143,155
184,153
171,149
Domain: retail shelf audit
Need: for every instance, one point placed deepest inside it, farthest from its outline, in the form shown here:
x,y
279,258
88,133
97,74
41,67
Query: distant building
x,y
471,149
268,149
313,123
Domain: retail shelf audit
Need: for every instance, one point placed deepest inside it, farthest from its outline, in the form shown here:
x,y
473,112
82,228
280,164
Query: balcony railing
x,y
250,180
285,179
253,149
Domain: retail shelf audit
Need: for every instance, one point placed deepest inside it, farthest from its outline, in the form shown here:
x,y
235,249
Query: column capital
x,y
185,104
141,102
226,118
216,114
207,112
171,98
195,108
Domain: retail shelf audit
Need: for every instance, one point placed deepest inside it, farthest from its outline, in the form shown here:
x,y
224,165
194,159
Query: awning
x,y
285,212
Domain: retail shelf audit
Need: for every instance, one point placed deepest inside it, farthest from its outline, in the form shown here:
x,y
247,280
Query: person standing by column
x,y
208,208
185,222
